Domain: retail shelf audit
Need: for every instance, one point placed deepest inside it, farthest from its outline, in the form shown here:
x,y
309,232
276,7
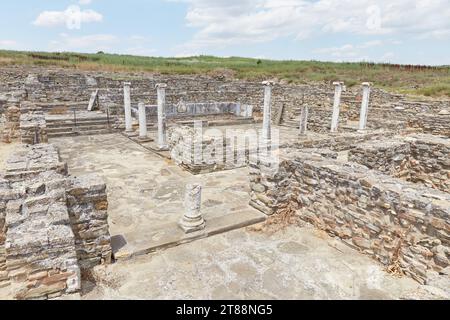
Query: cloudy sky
x,y
396,31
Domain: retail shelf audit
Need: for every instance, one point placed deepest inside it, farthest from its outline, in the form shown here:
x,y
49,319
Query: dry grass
x,y
419,80
281,220
59,110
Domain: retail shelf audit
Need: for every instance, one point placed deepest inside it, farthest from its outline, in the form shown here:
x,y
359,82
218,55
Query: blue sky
x,y
396,31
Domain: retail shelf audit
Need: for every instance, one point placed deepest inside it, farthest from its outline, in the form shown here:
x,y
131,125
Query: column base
x,y
131,134
190,226
145,139
162,148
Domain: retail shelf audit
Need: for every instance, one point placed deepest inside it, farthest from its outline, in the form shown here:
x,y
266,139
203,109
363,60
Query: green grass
x,y
432,82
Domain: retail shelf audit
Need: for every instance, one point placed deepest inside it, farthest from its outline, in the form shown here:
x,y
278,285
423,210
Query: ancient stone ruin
x,y
106,167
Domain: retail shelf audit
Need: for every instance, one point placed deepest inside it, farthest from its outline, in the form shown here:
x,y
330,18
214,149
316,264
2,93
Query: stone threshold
x,y
142,242
149,145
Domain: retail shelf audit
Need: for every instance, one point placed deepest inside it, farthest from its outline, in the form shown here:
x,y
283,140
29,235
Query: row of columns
x,y
267,115
339,88
161,92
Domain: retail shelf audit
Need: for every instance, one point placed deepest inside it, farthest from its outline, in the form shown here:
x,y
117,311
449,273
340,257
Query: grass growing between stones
x,y
418,80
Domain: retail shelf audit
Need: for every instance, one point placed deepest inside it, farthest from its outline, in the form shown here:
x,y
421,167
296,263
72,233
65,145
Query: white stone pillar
x,y
142,122
364,106
267,116
192,220
336,106
304,120
127,105
162,139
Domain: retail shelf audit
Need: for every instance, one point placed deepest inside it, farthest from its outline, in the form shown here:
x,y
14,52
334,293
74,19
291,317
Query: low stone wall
x,y
387,156
54,225
4,187
200,152
88,210
401,224
33,126
32,160
10,130
40,245
432,123
420,158
337,142
430,161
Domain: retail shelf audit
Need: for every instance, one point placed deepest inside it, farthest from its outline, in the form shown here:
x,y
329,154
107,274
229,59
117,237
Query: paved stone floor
x,y
297,263
146,192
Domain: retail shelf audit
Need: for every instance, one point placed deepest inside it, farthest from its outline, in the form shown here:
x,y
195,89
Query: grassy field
x,y
417,80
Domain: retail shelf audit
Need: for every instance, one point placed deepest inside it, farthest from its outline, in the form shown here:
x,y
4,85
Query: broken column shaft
x,y
142,122
192,220
162,139
304,120
267,116
127,106
364,106
336,106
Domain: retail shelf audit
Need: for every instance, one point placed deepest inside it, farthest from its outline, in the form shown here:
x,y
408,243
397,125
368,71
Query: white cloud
x,y
89,43
221,23
72,16
84,2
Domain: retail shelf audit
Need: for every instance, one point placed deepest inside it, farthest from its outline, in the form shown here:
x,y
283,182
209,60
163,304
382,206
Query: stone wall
x,y
390,156
432,123
4,187
31,160
33,126
201,152
401,224
430,161
88,210
11,122
341,142
420,158
54,225
40,245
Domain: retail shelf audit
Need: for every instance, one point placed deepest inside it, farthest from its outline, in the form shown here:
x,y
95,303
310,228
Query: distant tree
x,y
100,52
259,62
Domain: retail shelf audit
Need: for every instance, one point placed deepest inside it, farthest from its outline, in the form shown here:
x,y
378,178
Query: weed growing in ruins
x,y
282,219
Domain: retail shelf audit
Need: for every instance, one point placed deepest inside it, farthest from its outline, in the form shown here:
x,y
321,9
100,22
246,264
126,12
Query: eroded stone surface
x,y
249,265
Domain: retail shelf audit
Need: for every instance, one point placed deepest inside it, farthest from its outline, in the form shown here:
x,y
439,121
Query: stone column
x,y
304,120
127,105
142,122
336,106
162,139
364,106
192,220
267,117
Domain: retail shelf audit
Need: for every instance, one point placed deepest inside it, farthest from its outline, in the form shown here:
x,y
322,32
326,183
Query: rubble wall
x,y
422,159
33,126
40,245
52,225
88,210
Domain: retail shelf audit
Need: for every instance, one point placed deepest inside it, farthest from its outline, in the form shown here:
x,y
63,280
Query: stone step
x,y
97,119
80,128
78,124
80,133
48,107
